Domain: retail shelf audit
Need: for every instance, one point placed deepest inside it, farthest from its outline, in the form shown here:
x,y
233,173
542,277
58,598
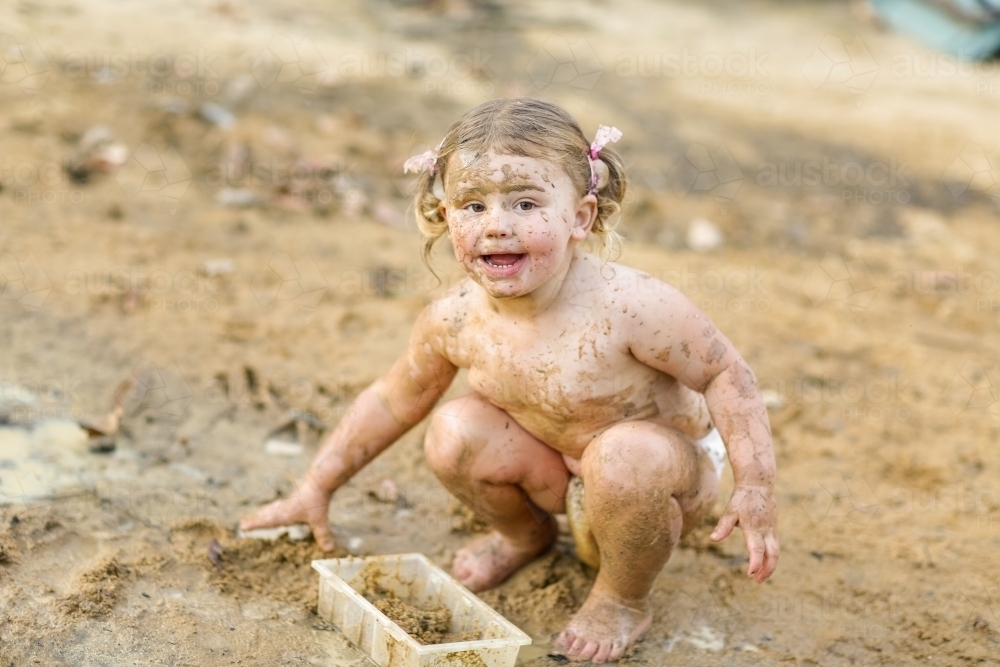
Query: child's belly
x,y
567,418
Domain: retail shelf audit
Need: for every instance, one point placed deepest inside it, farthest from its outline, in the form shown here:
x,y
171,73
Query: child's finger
x,y
268,516
724,527
755,545
255,520
323,535
771,557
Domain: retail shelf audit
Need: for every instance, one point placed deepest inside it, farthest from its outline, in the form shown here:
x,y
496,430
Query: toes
x,y
603,651
588,651
478,584
464,577
565,640
617,650
458,566
579,643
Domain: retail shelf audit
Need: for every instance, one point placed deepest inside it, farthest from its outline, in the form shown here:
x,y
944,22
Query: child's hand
x,y
309,504
755,511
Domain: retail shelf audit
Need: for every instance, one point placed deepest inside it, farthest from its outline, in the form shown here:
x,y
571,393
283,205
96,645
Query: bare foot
x,y
603,629
488,560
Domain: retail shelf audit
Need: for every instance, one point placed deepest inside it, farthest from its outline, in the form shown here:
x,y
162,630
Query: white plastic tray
x,y
344,582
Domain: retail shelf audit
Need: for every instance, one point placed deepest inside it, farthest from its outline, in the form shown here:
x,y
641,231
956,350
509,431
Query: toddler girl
x,y
579,368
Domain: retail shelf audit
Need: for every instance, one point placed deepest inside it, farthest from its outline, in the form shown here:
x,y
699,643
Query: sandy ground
x,y
853,177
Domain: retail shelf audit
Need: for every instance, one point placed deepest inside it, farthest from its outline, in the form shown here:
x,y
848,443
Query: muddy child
x,y
580,369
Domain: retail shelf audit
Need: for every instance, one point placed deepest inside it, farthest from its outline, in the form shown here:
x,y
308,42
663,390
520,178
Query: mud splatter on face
x,y
499,207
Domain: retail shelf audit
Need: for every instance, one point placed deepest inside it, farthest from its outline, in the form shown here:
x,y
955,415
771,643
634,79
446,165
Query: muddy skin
x,y
570,380
570,364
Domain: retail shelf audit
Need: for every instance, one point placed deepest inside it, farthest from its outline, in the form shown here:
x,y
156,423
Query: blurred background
x,y
207,250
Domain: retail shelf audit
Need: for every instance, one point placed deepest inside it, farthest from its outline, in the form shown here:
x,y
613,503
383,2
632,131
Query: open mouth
x,y
508,259
502,265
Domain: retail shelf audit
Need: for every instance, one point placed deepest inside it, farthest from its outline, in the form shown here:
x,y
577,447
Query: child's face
x,y
513,220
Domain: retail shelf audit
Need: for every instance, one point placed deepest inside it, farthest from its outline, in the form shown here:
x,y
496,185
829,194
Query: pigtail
x,y
430,222
610,195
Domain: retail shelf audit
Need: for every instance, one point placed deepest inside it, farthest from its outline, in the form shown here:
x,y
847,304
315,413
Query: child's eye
x,y
476,207
524,205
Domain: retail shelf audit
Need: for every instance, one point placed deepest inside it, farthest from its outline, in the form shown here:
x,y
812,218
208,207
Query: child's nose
x,y
497,224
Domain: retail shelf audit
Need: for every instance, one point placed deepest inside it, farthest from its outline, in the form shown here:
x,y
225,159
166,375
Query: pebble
x,y
217,267
282,447
295,532
217,115
772,399
236,197
386,491
703,235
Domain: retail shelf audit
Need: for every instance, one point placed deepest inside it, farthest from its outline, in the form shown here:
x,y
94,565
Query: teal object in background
x,y
969,29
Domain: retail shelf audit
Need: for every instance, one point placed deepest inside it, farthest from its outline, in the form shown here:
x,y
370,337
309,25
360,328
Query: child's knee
x,y
447,444
457,431
634,459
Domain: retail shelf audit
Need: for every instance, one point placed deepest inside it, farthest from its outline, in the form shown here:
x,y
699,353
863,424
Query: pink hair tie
x,y
605,135
426,161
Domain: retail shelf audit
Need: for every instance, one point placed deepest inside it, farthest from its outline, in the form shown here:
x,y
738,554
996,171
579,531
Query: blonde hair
x,y
528,128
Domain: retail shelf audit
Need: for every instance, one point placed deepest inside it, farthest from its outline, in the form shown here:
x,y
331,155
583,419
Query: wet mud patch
x,y
96,590
247,568
541,597
464,520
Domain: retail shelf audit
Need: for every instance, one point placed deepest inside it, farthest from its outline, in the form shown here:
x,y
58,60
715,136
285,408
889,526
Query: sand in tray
x,y
427,625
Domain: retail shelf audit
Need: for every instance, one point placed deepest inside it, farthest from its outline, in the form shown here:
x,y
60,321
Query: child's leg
x,y
503,473
645,485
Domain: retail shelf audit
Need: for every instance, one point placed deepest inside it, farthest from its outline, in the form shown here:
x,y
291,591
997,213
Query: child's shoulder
x,y
626,285
462,294
447,310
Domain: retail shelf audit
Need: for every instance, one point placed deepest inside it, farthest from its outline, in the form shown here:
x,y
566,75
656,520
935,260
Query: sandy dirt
x,y
858,274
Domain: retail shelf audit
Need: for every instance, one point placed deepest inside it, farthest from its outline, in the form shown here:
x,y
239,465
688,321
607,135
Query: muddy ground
x,y
852,174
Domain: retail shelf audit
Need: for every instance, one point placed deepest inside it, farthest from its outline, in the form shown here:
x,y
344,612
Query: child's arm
x,y
378,417
672,335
